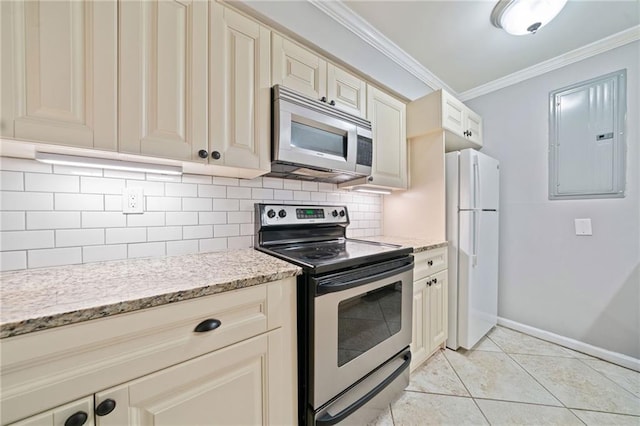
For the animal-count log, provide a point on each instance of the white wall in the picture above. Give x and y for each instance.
(584, 288)
(57, 215)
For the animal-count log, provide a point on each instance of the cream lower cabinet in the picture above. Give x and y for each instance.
(59, 72)
(430, 288)
(151, 367)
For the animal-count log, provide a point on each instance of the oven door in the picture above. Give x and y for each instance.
(362, 318)
(309, 137)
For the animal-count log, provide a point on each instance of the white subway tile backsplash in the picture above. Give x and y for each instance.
(213, 244)
(53, 220)
(80, 210)
(226, 230)
(12, 221)
(164, 204)
(146, 219)
(96, 185)
(54, 257)
(34, 201)
(239, 217)
(11, 181)
(79, 237)
(80, 202)
(51, 183)
(212, 191)
(196, 204)
(146, 250)
(181, 218)
(25, 240)
(103, 219)
(238, 192)
(175, 248)
(125, 235)
(164, 233)
(23, 165)
(262, 194)
(197, 232)
(13, 260)
(181, 189)
(103, 253)
(212, 218)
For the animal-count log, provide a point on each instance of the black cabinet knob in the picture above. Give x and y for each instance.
(203, 153)
(207, 325)
(332, 103)
(430, 263)
(435, 280)
(216, 155)
(470, 133)
(323, 99)
(105, 407)
(77, 419)
(429, 283)
(370, 178)
(282, 213)
(271, 213)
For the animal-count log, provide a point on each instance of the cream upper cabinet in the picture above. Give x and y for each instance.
(302, 70)
(163, 78)
(59, 72)
(346, 91)
(298, 68)
(442, 111)
(239, 101)
(388, 121)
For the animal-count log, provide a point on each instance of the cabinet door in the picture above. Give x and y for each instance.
(474, 126)
(240, 90)
(420, 330)
(298, 68)
(163, 78)
(388, 119)
(437, 310)
(453, 114)
(59, 76)
(58, 416)
(224, 387)
(347, 91)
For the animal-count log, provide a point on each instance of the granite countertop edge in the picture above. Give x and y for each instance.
(48, 318)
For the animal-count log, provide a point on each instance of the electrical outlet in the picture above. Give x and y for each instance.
(132, 200)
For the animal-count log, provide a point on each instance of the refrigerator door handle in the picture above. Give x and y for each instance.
(476, 237)
(476, 183)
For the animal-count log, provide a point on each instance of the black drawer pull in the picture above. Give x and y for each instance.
(105, 407)
(207, 325)
(77, 419)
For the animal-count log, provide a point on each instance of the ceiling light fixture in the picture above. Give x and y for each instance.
(519, 17)
(104, 163)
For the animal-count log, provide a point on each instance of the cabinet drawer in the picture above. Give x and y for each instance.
(429, 262)
(44, 369)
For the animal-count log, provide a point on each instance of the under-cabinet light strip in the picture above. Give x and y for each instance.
(104, 163)
(372, 191)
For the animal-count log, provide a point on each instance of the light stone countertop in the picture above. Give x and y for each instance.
(418, 245)
(38, 299)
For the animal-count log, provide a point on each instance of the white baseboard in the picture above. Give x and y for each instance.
(614, 357)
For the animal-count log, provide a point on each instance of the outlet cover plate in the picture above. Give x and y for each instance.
(132, 200)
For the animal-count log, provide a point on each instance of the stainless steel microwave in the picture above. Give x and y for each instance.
(313, 140)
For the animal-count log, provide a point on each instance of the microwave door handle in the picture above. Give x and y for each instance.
(328, 419)
(333, 287)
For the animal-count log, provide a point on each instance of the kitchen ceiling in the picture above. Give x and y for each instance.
(414, 47)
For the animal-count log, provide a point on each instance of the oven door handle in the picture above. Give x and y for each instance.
(328, 419)
(329, 287)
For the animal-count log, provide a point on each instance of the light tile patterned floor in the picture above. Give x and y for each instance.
(510, 378)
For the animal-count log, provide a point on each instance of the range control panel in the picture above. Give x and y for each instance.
(289, 214)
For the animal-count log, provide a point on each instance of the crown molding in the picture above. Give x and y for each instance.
(346, 17)
(608, 43)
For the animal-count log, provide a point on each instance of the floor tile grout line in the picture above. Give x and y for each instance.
(609, 378)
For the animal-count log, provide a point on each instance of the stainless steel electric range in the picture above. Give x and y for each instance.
(354, 312)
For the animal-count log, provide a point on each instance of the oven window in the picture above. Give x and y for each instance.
(367, 320)
(319, 140)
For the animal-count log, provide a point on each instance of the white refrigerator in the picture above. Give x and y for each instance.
(472, 232)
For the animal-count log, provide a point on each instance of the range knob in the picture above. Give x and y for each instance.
(282, 213)
(271, 213)
(334, 213)
(342, 213)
